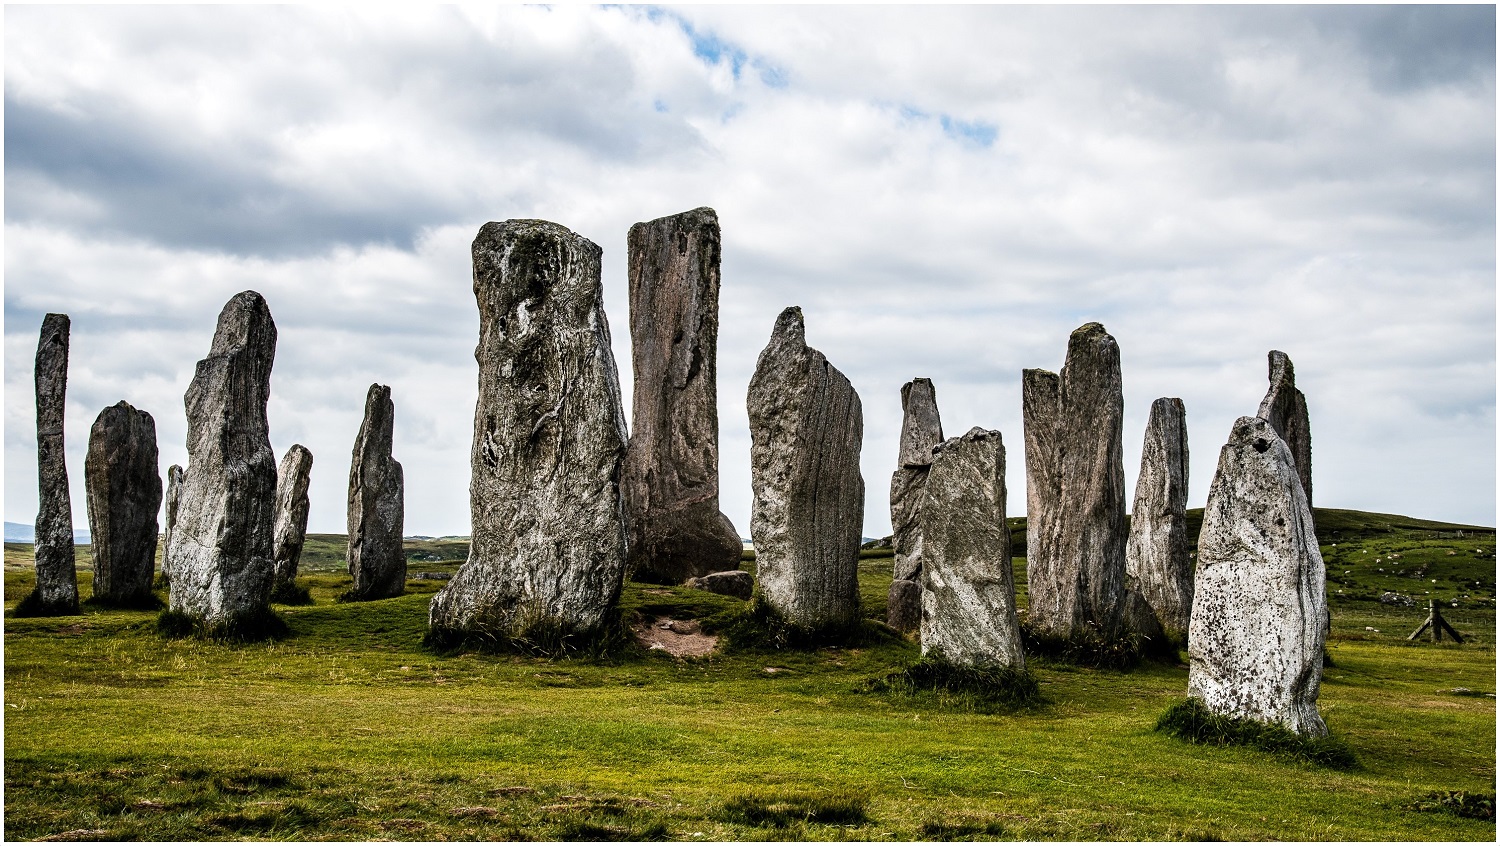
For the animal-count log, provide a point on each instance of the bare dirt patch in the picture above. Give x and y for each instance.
(678, 638)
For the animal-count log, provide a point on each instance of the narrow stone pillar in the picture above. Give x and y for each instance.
(671, 482)
(1285, 408)
(174, 492)
(806, 428)
(123, 489)
(292, 505)
(921, 430)
(376, 515)
(1156, 552)
(56, 591)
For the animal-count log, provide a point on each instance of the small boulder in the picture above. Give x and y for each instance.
(736, 583)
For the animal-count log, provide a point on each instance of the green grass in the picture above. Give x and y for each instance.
(348, 728)
(1189, 720)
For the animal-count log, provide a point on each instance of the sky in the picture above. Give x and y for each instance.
(946, 192)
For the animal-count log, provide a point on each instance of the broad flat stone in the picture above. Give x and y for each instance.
(548, 530)
(221, 543)
(123, 488)
(736, 583)
(1285, 408)
(921, 430)
(56, 591)
(671, 483)
(1075, 478)
(903, 606)
(175, 476)
(377, 504)
(806, 428)
(1156, 551)
(292, 504)
(968, 590)
(1255, 642)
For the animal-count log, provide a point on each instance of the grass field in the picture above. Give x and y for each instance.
(349, 729)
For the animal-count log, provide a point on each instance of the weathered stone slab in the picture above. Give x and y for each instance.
(806, 427)
(1156, 551)
(548, 531)
(174, 493)
(292, 504)
(968, 590)
(671, 482)
(56, 591)
(377, 505)
(1285, 408)
(903, 606)
(123, 489)
(921, 430)
(1075, 478)
(221, 543)
(736, 583)
(1255, 642)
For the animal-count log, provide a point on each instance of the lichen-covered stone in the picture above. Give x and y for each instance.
(123, 489)
(56, 591)
(548, 545)
(806, 427)
(292, 504)
(968, 590)
(671, 482)
(921, 430)
(220, 554)
(174, 492)
(1156, 552)
(736, 583)
(1285, 408)
(377, 505)
(1255, 642)
(1075, 490)
(903, 606)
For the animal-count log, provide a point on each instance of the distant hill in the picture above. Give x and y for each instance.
(23, 533)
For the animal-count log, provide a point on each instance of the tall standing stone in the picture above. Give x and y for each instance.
(1156, 552)
(56, 590)
(221, 549)
(174, 493)
(292, 504)
(376, 514)
(1255, 643)
(671, 483)
(548, 545)
(1075, 477)
(968, 589)
(1285, 408)
(921, 430)
(123, 488)
(806, 428)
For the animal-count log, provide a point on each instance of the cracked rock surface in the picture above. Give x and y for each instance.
(1156, 551)
(376, 515)
(921, 430)
(292, 505)
(56, 577)
(123, 488)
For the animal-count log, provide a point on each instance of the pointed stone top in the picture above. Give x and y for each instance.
(921, 426)
(244, 321)
(1280, 367)
(789, 325)
(1089, 333)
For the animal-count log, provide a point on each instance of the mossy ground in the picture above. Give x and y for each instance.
(348, 728)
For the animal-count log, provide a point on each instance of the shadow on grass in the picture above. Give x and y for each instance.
(262, 626)
(291, 593)
(149, 602)
(985, 690)
(548, 639)
(1089, 648)
(762, 628)
(786, 810)
(1191, 721)
(32, 605)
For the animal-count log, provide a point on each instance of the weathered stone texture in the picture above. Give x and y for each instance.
(377, 504)
(736, 583)
(903, 606)
(221, 545)
(56, 578)
(292, 504)
(1156, 552)
(806, 427)
(1255, 642)
(968, 591)
(1285, 408)
(174, 493)
(921, 430)
(671, 481)
(1075, 477)
(123, 489)
(548, 531)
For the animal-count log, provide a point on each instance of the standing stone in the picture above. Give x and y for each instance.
(806, 427)
(1255, 643)
(174, 492)
(292, 505)
(220, 557)
(968, 590)
(56, 590)
(1156, 552)
(921, 430)
(376, 514)
(548, 547)
(1075, 490)
(1285, 408)
(903, 606)
(671, 483)
(123, 489)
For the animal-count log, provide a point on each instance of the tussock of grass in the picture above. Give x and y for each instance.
(33, 606)
(1087, 648)
(983, 689)
(248, 629)
(940, 830)
(1474, 806)
(762, 627)
(782, 811)
(291, 593)
(543, 639)
(1191, 721)
(149, 602)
